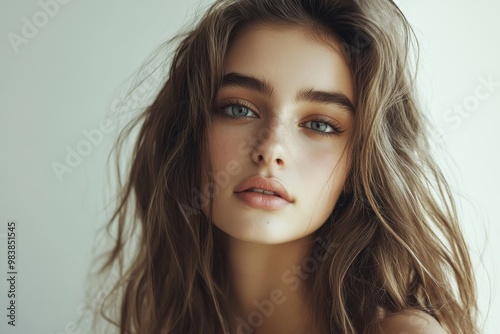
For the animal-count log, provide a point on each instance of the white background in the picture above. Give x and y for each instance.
(64, 80)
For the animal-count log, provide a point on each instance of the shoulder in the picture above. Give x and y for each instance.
(411, 322)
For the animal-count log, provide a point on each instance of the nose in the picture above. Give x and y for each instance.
(270, 145)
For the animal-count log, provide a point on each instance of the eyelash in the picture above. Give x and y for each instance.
(336, 129)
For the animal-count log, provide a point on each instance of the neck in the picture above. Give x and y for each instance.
(268, 286)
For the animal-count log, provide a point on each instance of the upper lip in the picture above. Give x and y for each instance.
(269, 184)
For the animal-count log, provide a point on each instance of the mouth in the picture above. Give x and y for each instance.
(268, 187)
(262, 199)
(262, 191)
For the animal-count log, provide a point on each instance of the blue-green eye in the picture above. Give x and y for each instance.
(236, 110)
(323, 127)
(319, 126)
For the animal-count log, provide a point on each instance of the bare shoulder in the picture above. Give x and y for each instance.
(411, 322)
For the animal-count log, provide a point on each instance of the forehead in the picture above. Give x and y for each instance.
(311, 31)
(290, 57)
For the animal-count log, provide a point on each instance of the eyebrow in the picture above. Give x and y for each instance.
(338, 99)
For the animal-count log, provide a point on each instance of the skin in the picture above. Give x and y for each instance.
(311, 167)
(411, 322)
(265, 248)
(263, 245)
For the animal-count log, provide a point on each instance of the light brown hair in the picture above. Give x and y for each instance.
(396, 231)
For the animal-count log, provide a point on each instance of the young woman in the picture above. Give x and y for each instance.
(281, 182)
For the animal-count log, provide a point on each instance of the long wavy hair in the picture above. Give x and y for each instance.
(396, 231)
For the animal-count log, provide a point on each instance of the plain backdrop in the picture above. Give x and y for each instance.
(61, 81)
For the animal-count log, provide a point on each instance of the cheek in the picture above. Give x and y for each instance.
(224, 147)
(324, 172)
(320, 162)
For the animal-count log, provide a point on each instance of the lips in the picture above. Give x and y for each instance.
(257, 182)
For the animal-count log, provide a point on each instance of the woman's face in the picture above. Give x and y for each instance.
(285, 113)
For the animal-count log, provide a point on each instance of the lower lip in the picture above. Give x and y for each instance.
(262, 201)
